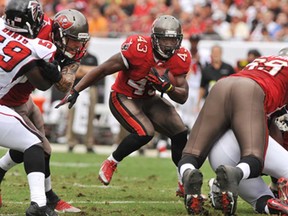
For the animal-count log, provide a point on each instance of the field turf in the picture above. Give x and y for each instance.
(142, 186)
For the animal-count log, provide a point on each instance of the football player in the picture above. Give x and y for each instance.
(69, 32)
(133, 100)
(248, 96)
(254, 191)
(24, 58)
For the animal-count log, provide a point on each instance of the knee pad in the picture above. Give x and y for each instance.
(34, 159)
(47, 164)
(16, 156)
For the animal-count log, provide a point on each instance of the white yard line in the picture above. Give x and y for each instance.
(103, 202)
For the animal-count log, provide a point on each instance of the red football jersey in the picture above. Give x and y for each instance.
(138, 56)
(271, 73)
(45, 31)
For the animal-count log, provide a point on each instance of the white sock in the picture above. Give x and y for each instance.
(245, 169)
(184, 167)
(48, 185)
(37, 190)
(6, 162)
(111, 158)
(267, 210)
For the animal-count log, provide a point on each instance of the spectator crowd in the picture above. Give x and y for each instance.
(246, 20)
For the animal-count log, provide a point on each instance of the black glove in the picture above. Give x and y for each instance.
(70, 98)
(50, 71)
(64, 60)
(161, 83)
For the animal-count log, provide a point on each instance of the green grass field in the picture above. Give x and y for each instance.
(141, 186)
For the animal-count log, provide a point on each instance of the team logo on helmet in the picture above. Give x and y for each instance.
(63, 22)
(35, 8)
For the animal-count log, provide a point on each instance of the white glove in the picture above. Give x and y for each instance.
(282, 122)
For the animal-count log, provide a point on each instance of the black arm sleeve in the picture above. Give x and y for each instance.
(50, 71)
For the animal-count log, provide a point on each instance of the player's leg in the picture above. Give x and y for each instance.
(90, 128)
(34, 118)
(275, 159)
(248, 121)
(210, 124)
(70, 135)
(254, 191)
(129, 113)
(16, 134)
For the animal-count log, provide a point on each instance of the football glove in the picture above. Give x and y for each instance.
(160, 83)
(50, 71)
(282, 122)
(70, 98)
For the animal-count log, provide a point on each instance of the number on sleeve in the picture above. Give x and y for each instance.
(46, 43)
(182, 56)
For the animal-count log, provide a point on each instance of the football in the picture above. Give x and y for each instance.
(161, 72)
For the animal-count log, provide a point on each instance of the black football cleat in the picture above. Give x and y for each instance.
(228, 179)
(193, 200)
(35, 210)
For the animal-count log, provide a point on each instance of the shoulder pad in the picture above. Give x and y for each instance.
(181, 58)
(44, 49)
(135, 48)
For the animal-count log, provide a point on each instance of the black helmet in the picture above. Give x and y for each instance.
(70, 24)
(24, 16)
(166, 26)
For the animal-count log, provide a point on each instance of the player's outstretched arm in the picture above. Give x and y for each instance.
(112, 65)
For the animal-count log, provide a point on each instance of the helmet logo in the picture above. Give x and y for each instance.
(64, 22)
(34, 6)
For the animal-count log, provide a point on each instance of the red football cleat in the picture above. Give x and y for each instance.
(63, 207)
(106, 171)
(180, 190)
(278, 205)
(283, 189)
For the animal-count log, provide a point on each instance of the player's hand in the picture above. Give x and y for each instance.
(70, 98)
(50, 70)
(161, 83)
(282, 122)
(67, 80)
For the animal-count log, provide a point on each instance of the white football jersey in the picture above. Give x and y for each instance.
(16, 51)
(14, 132)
